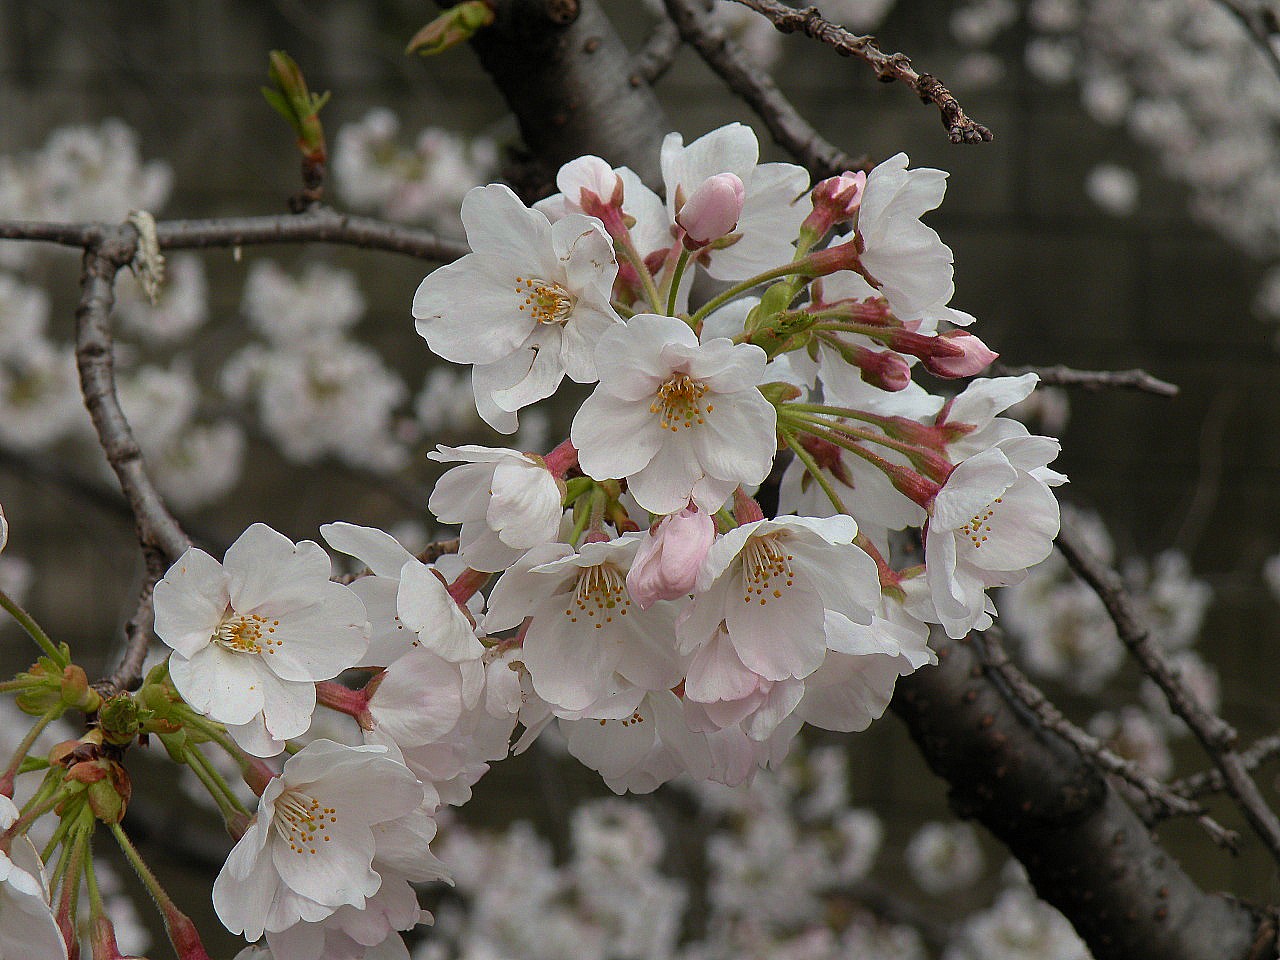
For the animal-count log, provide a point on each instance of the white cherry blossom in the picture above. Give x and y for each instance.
(311, 846)
(770, 582)
(251, 635)
(527, 305)
(587, 641)
(681, 420)
(506, 502)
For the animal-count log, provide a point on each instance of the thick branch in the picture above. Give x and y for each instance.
(567, 77)
(1084, 849)
(1216, 736)
(652, 62)
(888, 66)
(1061, 376)
(1163, 798)
(789, 129)
(318, 225)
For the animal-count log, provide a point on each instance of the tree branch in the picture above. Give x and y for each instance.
(1211, 781)
(790, 130)
(567, 77)
(1165, 800)
(320, 225)
(1216, 736)
(653, 61)
(1084, 849)
(1093, 380)
(888, 66)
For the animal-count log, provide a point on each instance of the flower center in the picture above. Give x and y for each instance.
(601, 592)
(246, 634)
(766, 569)
(302, 822)
(545, 300)
(679, 402)
(978, 528)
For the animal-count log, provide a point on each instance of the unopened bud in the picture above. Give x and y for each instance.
(962, 355)
(835, 200)
(712, 211)
(76, 692)
(455, 25)
(883, 368)
(109, 794)
(667, 563)
(4, 529)
(120, 719)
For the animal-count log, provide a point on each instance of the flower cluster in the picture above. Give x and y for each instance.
(641, 598)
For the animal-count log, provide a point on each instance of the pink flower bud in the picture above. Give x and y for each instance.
(965, 355)
(712, 211)
(835, 200)
(883, 368)
(667, 563)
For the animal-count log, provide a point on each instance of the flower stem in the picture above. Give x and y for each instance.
(182, 933)
(33, 629)
(720, 299)
(815, 471)
(676, 277)
(228, 803)
(7, 778)
(627, 250)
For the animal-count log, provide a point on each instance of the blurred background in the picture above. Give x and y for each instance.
(1125, 215)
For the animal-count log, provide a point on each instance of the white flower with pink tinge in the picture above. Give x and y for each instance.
(771, 582)
(993, 518)
(681, 420)
(526, 306)
(506, 501)
(311, 846)
(252, 635)
(588, 643)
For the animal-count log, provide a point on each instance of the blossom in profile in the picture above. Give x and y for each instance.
(252, 635)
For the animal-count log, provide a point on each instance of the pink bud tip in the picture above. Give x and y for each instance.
(667, 563)
(966, 356)
(713, 209)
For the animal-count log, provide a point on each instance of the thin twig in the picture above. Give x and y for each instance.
(1210, 781)
(158, 531)
(1061, 376)
(789, 129)
(888, 66)
(649, 65)
(320, 225)
(1216, 736)
(1165, 801)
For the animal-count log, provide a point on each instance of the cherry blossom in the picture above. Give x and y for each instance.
(311, 846)
(681, 420)
(527, 305)
(251, 635)
(507, 502)
(27, 925)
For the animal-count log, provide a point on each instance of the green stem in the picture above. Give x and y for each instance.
(162, 899)
(813, 424)
(91, 881)
(674, 292)
(622, 310)
(627, 250)
(32, 735)
(33, 629)
(228, 804)
(814, 470)
(720, 299)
